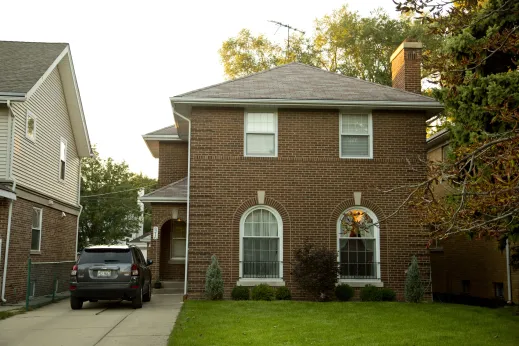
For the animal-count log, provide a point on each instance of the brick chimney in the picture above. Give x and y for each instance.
(405, 66)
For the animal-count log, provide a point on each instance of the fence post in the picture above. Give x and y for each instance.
(54, 287)
(27, 294)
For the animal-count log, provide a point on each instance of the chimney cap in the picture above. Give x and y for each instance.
(408, 43)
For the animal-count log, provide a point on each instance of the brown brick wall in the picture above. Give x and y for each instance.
(308, 184)
(161, 214)
(172, 162)
(58, 243)
(406, 70)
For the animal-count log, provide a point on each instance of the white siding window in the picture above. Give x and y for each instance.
(30, 126)
(356, 136)
(62, 159)
(261, 134)
(37, 214)
(178, 241)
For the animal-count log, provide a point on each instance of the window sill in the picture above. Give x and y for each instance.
(361, 283)
(177, 261)
(35, 252)
(255, 282)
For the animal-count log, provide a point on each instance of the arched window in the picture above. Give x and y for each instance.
(358, 244)
(261, 244)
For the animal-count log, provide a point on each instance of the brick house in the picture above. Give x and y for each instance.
(257, 166)
(464, 267)
(43, 135)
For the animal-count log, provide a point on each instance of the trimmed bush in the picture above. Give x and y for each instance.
(344, 292)
(240, 293)
(283, 293)
(413, 284)
(370, 293)
(316, 270)
(388, 295)
(262, 292)
(213, 280)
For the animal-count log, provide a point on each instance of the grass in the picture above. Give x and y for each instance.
(9, 313)
(351, 323)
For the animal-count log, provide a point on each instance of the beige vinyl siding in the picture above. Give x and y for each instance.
(4, 140)
(36, 164)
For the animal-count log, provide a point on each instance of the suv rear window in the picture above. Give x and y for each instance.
(105, 256)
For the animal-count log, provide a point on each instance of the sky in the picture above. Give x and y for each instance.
(131, 56)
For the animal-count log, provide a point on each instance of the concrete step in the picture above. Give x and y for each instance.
(173, 284)
(168, 291)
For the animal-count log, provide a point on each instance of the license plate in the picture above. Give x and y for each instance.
(104, 273)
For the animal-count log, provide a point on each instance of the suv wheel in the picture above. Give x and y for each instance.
(147, 296)
(137, 301)
(76, 303)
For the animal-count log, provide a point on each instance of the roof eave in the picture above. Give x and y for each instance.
(162, 200)
(152, 142)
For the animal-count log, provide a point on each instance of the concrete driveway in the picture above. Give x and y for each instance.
(103, 323)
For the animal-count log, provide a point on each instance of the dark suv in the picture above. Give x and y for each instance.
(106, 272)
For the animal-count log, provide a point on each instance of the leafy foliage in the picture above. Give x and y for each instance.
(283, 293)
(388, 295)
(214, 280)
(240, 293)
(263, 292)
(109, 193)
(413, 290)
(370, 293)
(316, 270)
(344, 292)
(342, 42)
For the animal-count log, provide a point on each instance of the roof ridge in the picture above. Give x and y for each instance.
(237, 79)
(165, 186)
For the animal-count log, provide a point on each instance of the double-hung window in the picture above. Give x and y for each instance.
(37, 214)
(62, 158)
(178, 241)
(356, 136)
(261, 134)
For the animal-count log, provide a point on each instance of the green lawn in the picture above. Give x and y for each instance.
(352, 323)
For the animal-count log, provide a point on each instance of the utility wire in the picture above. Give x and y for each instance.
(114, 192)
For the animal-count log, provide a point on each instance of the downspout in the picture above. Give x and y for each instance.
(188, 195)
(80, 209)
(10, 212)
(508, 274)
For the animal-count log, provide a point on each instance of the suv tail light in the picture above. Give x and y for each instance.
(135, 270)
(74, 270)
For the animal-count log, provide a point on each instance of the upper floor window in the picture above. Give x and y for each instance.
(356, 136)
(358, 245)
(261, 254)
(261, 130)
(62, 158)
(36, 229)
(30, 126)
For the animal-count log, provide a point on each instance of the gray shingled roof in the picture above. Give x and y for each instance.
(166, 131)
(176, 191)
(296, 81)
(22, 64)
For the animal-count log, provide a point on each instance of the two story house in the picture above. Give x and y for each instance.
(43, 135)
(256, 167)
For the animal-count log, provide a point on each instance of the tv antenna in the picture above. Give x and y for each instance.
(288, 32)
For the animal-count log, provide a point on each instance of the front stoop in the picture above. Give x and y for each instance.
(170, 287)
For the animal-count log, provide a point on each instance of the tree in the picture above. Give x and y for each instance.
(413, 290)
(109, 193)
(343, 42)
(214, 280)
(477, 65)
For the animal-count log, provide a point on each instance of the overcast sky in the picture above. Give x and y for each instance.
(130, 56)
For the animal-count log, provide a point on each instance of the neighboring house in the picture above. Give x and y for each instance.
(257, 166)
(142, 241)
(468, 268)
(43, 135)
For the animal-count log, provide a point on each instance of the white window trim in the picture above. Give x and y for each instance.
(33, 116)
(41, 231)
(370, 134)
(62, 140)
(275, 132)
(254, 281)
(361, 282)
(173, 260)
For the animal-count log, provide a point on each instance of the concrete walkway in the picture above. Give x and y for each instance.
(103, 323)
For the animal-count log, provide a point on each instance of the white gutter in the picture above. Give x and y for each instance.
(162, 200)
(188, 189)
(508, 274)
(320, 103)
(161, 138)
